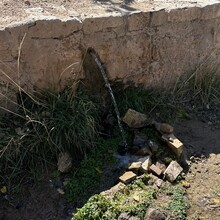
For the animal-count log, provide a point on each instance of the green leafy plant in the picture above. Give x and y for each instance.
(177, 205)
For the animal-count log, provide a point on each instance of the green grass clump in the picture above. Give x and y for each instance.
(201, 87)
(102, 207)
(32, 138)
(98, 208)
(143, 100)
(177, 204)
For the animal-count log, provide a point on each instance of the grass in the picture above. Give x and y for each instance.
(88, 176)
(177, 204)
(58, 122)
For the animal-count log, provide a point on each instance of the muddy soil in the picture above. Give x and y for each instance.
(202, 145)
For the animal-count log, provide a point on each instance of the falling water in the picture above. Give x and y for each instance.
(95, 57)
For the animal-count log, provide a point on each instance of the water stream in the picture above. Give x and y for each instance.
(104, 75)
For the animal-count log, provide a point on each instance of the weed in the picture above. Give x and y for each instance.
(177, 205)
(201, 88)
(88, 177)
(99, 206)
(58, 122)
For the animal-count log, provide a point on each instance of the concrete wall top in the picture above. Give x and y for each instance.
(19, 12)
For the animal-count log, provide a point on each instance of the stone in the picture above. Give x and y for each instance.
(156, 170)
(185, 184)
(173, 171)
(146, 164)
(128, 177)
(135, 119)
(134, 218)
(135, 166)
(124, 216)
(64, 162)
(115, 189)
(140, 139)
(164, 128)
(153, 146)
(161, 165)
(173, 143)
(154, 214)
(159, 182)
(143, 151)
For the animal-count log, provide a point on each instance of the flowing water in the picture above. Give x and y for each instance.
(104, 75)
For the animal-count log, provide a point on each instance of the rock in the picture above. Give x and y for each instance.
(146, 165)
(185, 184)
(122, 148)
(135, 119)
(140, 139)
(57, 183)
(158, 183)
(154, 214)
(115, 189)
(173, 143)
(156, 170)
(136, 158)
(64, 162)
(144, 151)
(124, 216)
(134, 218)
(173, 171)
(164, 128)
(128, 177)
(161, 165)
(60, 191)
(153, 146)
(135, 166)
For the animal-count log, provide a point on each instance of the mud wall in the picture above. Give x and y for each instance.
(150, 48)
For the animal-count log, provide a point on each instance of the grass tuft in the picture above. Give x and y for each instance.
(59, 122)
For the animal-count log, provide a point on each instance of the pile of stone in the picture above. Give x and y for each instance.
(143, 150)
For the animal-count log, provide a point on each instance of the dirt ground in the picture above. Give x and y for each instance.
(21, 11)
(203, 151)
(202, 145)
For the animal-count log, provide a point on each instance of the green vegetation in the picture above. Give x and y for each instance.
(90, 173)
(31, 139)
(177, 204)
(102, 207)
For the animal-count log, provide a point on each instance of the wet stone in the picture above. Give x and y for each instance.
(153, 146)
(135, 166)
(64, 162)
(144, 151)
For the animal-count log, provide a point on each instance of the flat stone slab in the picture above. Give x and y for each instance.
(128, 177)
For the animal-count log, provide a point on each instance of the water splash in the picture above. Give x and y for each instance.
(104, 75)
